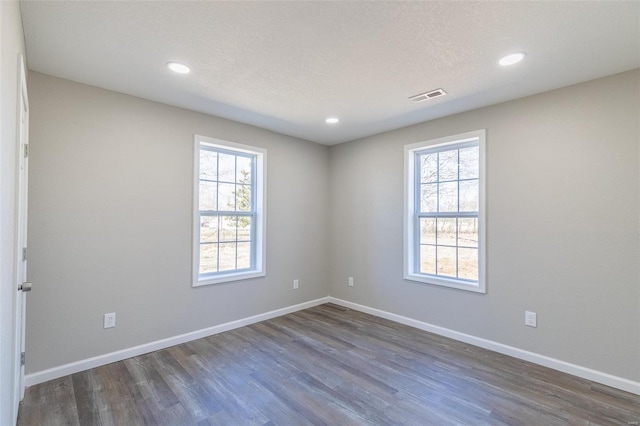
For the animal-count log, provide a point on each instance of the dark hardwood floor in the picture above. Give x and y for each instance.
(325, 366)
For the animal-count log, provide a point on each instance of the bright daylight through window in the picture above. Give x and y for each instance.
(444, 212)
(229, 214)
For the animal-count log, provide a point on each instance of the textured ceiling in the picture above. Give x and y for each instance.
(286, 66)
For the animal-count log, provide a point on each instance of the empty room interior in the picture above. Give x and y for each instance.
(328, 213)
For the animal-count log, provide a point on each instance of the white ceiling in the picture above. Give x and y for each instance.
(286, 66)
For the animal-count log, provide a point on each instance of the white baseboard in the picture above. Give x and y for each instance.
(556, 364)
(97, 361)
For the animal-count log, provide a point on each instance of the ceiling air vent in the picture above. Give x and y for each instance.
(428, 95)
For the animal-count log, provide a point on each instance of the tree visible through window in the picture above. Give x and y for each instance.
(444, 214)
(448, 215)
(228, 212)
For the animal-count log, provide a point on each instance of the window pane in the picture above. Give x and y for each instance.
(468, 263)
(208, 258)
(469, 194)
(468, 232)
(428, 197)
(227, 256)
(447, 231)
(244, 170)
(429, 168)
(446, 261)
(226, 197)
(243, 198)
(448, 165)
(244, 255)
(428, 259)
(207, 196)
(227, 228)
(444, 217)
(208, 229)
(448, 197)
(208, 164)
(244, 228)
(230, 218)
(227, 171)
(469, 163)
(427, 230)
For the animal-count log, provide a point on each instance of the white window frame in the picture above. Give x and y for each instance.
(412, 228)
(258, 264)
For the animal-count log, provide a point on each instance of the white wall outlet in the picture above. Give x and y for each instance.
(350, 281)
(110, 320)
(295, 284)
(530, 319)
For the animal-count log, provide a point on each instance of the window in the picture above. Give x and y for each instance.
(229, 211)
(444, 212)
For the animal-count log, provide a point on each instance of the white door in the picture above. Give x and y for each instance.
(21, 241)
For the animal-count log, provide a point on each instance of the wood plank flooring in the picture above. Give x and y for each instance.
(326, 365)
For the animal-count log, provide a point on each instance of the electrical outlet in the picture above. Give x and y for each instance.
(530, 319)
(110, 320)
(295, 284)
(350, 281)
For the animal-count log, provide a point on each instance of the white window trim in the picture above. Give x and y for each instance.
(409, 206)
(260, 220)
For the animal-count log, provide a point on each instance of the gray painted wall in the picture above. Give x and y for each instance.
(563, 231)
(110, 223)
(12, 45)
(111, 211)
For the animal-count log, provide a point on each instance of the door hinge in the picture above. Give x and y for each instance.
(21, 358)
(24, 254)
(26, 150)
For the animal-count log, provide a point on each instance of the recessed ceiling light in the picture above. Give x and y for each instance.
(332, 120)
(513, 58)
(179, 68)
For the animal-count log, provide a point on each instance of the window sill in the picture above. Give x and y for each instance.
(225, 278)
(446, 282)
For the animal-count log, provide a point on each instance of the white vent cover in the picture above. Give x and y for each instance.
(428, 95)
